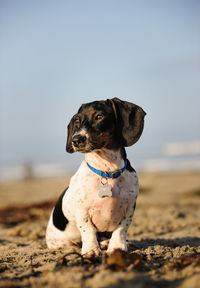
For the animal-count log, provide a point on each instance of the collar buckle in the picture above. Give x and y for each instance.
(116, 174)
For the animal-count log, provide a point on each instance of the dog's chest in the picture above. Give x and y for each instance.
(104, 212)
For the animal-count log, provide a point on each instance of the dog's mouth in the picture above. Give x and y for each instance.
(82, 147)
(79, 149)
(88, 147)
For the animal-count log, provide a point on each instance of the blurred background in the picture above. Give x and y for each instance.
(56, 55)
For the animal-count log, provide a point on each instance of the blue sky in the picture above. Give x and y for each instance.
(55, 55)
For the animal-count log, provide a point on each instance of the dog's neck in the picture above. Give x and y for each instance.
(105, 159)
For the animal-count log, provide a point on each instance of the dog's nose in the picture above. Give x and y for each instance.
(79, 140)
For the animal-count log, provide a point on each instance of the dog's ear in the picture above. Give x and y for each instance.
(129, 119)
(70, 127)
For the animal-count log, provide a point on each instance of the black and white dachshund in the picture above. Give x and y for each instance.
(102, 194)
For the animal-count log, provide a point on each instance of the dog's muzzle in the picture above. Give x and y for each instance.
(79, 141)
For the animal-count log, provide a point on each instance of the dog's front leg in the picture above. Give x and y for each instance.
(118, 239)
(90, 246)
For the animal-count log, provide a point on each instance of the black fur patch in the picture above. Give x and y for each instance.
(124, 156)
(59, 219)
(129, 167)
(105, 234)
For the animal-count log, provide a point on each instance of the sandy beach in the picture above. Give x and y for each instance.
(163, 240)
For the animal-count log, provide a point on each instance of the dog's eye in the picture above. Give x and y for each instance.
(99, 116)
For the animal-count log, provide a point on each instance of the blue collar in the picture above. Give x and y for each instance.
(114, 174)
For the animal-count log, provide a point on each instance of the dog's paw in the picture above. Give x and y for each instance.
(118, 246)
(104, 244)
(89, 252)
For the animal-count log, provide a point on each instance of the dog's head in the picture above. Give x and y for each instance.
(107, 124)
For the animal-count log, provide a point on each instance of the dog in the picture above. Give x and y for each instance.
(101, 196)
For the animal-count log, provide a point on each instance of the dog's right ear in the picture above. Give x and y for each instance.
(70, 129)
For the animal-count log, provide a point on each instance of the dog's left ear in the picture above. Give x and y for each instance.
(130, 120)
(70, 127)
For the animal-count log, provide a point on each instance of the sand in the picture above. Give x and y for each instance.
(163, 240)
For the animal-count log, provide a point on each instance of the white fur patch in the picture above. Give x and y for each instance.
(87, 213)
(82, 132)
